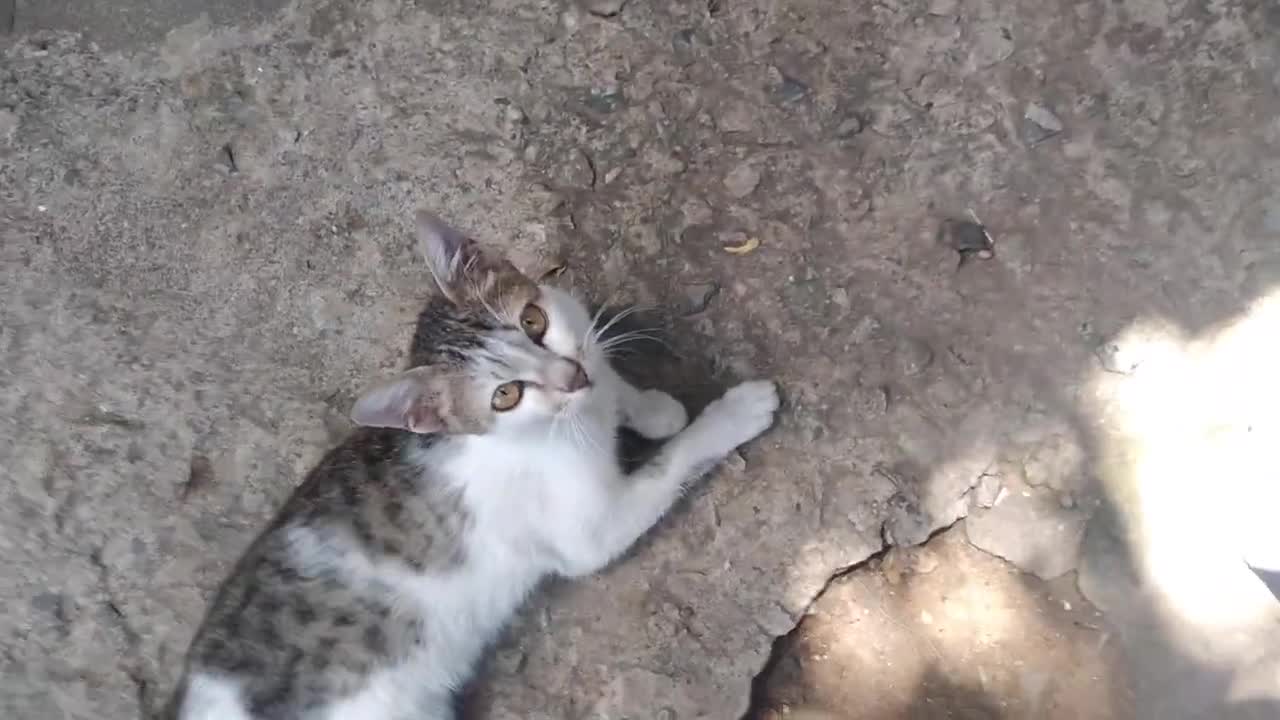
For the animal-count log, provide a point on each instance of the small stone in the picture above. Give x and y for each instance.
(1032, 531)
(1039, 123)
(870, 402)
(698, 296)
(605, 8)
(790, 89)
(926, 617)
(1114, 358)
(736, 461)
(666, 714)
(577, 171)
(775, 620)
(850, 126)
(840, 297)
(914, 356)
(984, 494)
(510, 661)
(569, 19)
(1066, 500)
(906, 523)
(605, 101)
(684, 44)
(1057, 462)
(1066, 605)
(227, 156)
(742, 180)
(966, 238)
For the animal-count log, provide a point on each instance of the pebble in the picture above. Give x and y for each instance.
(914, 356)
(605, 101)
(683, 44)
(850, 126)
(1039, 124)
(870, 402)
(605, 8)
(577, 171)
(790, 89)
(742, 180)
(1116, 359)
(1058, 462)
(966, 238)
(736, 462)
(698, 296)
(985, 493)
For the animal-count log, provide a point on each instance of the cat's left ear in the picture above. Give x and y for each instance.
(408, 401)
(448, 252)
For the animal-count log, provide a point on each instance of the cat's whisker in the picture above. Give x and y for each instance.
(632, 339)
(614, 320)
(596, 318)
(630, 336)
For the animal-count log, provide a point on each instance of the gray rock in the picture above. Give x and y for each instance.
(1030, 529)
(985, 493)
(605, 8)
(742, 180)
(605, 101)
(791, 90)
(907, 524)
(1057, 462)
(577, 171)
(914, 356)
(697, 296)
(1039, 123)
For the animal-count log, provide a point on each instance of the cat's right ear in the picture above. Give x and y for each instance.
(446, 250)
(405, 402)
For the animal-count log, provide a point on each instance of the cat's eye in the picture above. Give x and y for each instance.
(507, 396)
(534, 322)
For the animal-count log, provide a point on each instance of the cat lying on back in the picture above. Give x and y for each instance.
(488, 465)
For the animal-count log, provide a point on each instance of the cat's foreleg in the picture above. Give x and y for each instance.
(739, 415)
(652, 413)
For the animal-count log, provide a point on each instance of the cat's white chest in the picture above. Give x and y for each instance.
(532, 503)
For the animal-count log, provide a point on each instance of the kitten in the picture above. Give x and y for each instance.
(487, 466)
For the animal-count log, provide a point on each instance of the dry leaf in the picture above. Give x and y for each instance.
(749, 246)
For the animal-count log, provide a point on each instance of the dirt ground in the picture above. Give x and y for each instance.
(943, 630)
(204, 238)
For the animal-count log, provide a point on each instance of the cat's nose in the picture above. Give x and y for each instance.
(577, 378)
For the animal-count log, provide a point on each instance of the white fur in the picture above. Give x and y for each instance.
(546, 495)
(212, 697)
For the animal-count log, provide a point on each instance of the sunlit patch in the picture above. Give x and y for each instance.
(1191, 429)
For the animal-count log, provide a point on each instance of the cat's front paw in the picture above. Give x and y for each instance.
(657, 415)
(739, 415)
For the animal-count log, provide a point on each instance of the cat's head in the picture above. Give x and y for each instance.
(498, 352)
